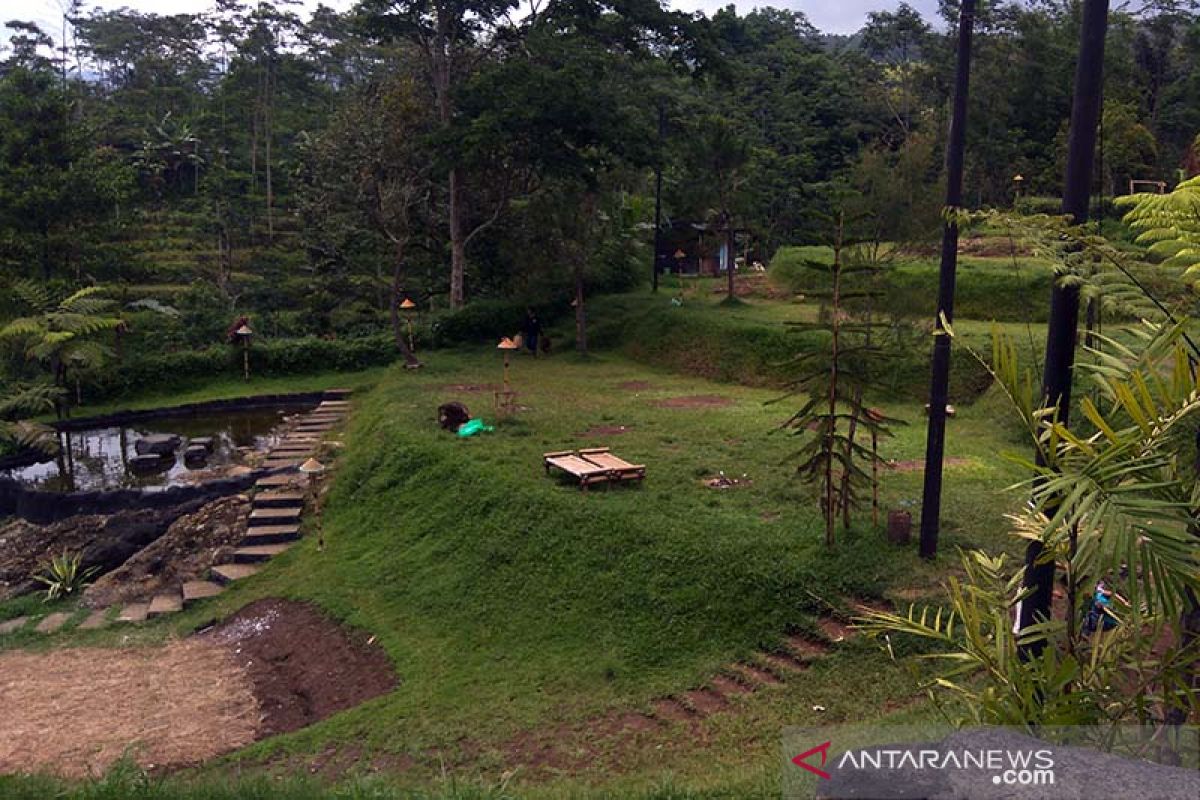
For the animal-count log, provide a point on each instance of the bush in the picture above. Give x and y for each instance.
(485, 321)
(267, 358)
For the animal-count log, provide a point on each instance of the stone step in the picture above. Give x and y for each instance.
(52, 622)
(12, 625)
(134, 612)
(270, 534)
(276, 499)
(291, 451)
(276, 514)
(97, 619)
(336, 394)
(323, 416)
(281, 463)
(255, 554)
(194, 591)
(276, 481)
(226, 574)
(166, 603)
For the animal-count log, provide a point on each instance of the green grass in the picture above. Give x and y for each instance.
(510, 602)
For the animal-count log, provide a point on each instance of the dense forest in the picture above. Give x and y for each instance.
(309, 173)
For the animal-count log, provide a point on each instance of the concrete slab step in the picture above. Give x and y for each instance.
(337, 394)
(270, 534)
(96, 620)
(282, 463)
(195, 591)
(12, 625)
(256, 554)
(276, 514)
(166, 603)
(278, 498)
(291, 451)
(52, 622)
(226, 574)
(276, 481)
(134, 612)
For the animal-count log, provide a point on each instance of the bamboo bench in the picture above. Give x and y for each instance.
(595, 465)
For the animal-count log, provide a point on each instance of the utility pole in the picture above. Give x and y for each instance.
(1064, 299)
(935, 442)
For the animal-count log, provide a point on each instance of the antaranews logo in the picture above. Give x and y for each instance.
(802, 759)
(1010, 767)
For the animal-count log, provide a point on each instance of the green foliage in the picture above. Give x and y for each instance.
(63, 576)
(1117, 506)
(1169, 224)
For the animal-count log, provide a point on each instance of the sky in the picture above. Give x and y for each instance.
(838, 16)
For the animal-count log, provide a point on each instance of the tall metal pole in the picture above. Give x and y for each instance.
(1064, 299)
(658, 200)
(935, 442)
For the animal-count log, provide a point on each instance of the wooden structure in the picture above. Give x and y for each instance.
(595, 465)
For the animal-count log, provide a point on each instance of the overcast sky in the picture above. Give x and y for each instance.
(840, 16)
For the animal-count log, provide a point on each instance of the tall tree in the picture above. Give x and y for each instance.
(1064, 296)
(935, 443)
(449, 36)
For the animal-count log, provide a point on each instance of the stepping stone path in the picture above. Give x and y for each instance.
(273, 527)
(763, 671)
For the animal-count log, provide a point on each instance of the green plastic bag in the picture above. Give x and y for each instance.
(472, 427)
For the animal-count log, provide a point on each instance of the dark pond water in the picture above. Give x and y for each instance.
(99, 458)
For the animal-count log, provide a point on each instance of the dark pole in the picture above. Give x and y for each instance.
(1064, 299)
(658, 200)
(935, 442)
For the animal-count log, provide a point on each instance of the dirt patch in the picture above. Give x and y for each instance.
(604, 430)
(695, 401)
(76, 711)
(992, 247)
(918, 465)
(635, 386)
(187, 551)
(303, 666)
(470, 387)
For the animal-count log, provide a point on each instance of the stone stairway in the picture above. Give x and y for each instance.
(274, 526)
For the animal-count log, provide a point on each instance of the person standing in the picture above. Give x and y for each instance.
(531, 331)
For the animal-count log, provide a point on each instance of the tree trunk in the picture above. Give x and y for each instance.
(729, 254)
(1064, 299)
(458, 244)
(580, 313)
(939, 386)
(410, 359)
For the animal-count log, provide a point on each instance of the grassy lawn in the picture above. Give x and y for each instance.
(511, 602)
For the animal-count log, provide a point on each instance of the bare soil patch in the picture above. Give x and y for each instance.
(303, 666)
(76, 711)
(275, 666)
(918, 465)
(604, 430)
(635, 386)
(695, 401)
(470, 387)
(187, 551)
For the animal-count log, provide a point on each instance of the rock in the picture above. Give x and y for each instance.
(160, 443)
(105, 542)
(149, 462)
(185, 552)
(195, 455)
(201, 441)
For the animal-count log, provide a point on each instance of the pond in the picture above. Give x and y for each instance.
(107, 457)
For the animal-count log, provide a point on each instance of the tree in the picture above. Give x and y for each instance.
(447, 35)
(935, 443)
(1064, 297)
(897, 39)
(372, 158)
(59, 333)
